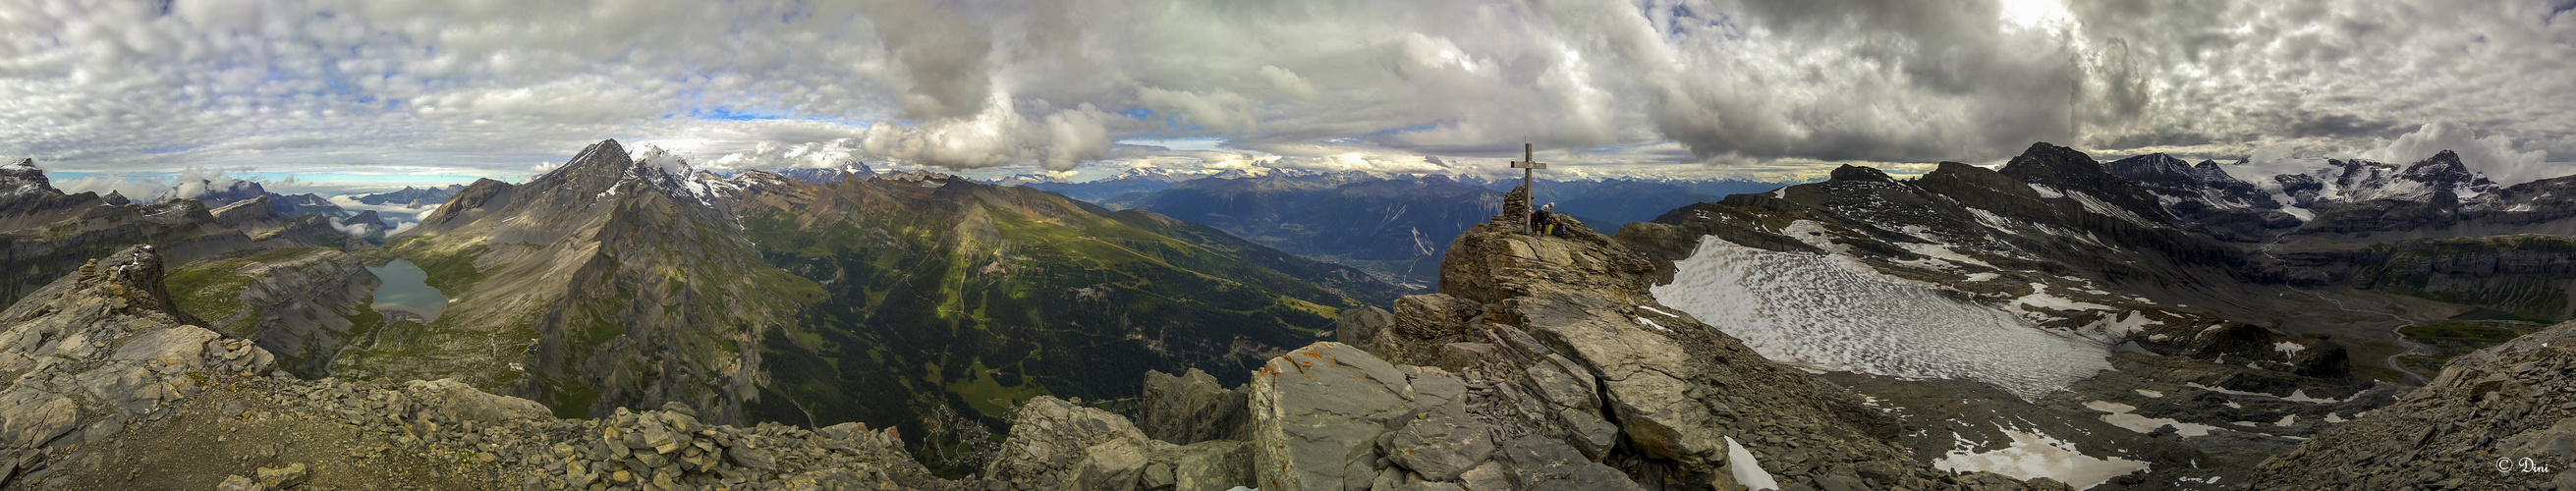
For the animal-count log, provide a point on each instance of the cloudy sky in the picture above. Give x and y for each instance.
(375, 91)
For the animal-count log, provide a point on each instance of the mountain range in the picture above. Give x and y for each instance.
(623, 319)
(620, 280)
(1393, 225)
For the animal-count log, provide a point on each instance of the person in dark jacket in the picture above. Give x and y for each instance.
(1544, 220)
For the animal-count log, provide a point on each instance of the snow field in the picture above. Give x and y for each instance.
(1812, 310)
(2033, 455)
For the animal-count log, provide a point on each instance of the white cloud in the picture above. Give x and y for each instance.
(1706, 87)
(2493, 155)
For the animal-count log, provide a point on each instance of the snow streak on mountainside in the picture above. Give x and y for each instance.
(1817, 310)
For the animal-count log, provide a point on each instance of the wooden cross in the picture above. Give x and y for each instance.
(1527, 164)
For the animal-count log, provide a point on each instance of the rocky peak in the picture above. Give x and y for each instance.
(2444, 172)
(367, 218)
(2065, 170)
(22, 177)
(117, 198)
(245, 211)
(607, 170)
(2153, 167)
(2205, 196)
(1850, 172)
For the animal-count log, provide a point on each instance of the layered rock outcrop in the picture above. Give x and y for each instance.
(101, 349)
(2500, 418)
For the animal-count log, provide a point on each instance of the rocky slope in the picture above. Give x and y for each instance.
(948, 298)
(111, 378)
(2500, 418)
(101, 349)
(1537, 367)
(303, 304)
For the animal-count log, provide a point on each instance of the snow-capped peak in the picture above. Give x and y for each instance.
(22, 177)
(2329, 181)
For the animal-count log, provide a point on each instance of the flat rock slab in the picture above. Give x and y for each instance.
(1317, 413)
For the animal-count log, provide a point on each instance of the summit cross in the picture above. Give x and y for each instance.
(1527, 164)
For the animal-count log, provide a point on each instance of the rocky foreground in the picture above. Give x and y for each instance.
(1544, 364)
(2499, 418)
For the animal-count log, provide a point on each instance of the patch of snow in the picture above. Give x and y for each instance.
(19, 165)
(2035, 455)
(1648, 323)
(1814, 234)
(2039, 297)
(2234, 405)
(2301, 395)
(1981, 277)
(2198, 480)
(1990, 219)
(2287, 420)
(2149, 393)
(1918, 231)
(2519, 207)
(1808, 309)
(1658, 311)
(2114, 327)
(2331, 418)
(2120, 416)
(2288, 349)
(2046, 192)
(2296, 395)
(1936, 251)
(1782, 193)
(2303, 214)
(1748, 472)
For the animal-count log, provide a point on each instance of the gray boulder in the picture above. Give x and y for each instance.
(1058, 445)
(1190, 408)
(1317, 413)
(1215, 465)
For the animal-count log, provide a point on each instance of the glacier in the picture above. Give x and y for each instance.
(1830, 312)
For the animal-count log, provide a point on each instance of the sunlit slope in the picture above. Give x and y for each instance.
(945, 292)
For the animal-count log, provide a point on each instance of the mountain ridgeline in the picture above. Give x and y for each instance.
(1393, 225)
(618, 281)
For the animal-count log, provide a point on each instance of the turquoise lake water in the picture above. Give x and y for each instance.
(406, 289)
